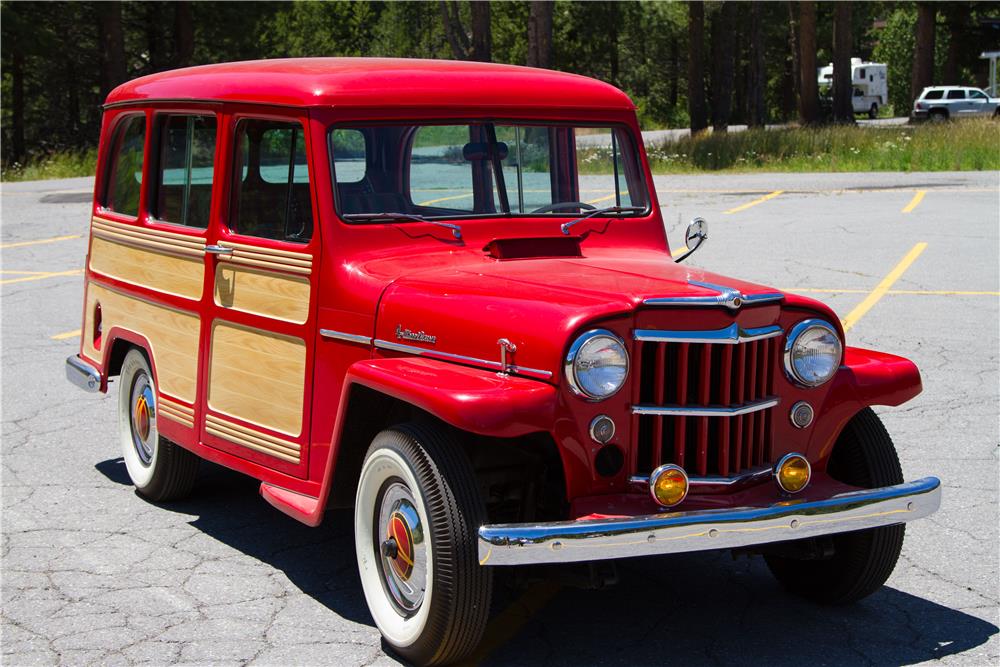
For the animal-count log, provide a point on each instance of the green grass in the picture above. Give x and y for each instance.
(968, 145)
(58, 165)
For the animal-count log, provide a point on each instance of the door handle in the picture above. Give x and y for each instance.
(218, 250)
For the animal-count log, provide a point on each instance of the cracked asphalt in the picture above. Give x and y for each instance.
(92, 574)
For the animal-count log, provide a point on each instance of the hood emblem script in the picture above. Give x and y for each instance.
(419, 336)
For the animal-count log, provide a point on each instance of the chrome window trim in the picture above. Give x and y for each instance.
(731, 335)
(793, 335)
(574, 349)
(349, 337)
(462, 359)
(700, 411)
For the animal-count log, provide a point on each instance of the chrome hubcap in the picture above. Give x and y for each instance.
(143, 418)
(400, 547)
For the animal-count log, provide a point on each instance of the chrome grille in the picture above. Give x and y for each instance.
(704, 399)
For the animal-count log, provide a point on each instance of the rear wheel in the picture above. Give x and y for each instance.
(416, 521)
(862, 561)
(938, 116)
(159, 469)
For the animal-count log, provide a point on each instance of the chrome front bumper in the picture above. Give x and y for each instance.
(82, 374)
(677, 532)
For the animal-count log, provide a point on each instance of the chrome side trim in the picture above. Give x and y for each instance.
(82, 374)
(748, 478)
(349, 337)
(701, 411)
(727, 296)
(679, 532)
(731, 335)
(462, 359)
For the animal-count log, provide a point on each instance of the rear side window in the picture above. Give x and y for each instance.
(933, 95)
(186, 162)
(271, 196)
(956, 94)
(125, 176)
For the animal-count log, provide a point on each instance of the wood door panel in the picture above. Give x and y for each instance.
(257, 376)
(266, 293)
(148, 266)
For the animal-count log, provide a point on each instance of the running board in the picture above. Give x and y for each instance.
(296, 505)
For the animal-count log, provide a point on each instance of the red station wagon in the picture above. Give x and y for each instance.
(442, 293)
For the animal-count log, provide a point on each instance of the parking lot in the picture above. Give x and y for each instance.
(93, 574)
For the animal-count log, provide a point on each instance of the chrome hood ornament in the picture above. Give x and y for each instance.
(727, 296)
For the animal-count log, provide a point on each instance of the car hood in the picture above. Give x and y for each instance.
(538, 304)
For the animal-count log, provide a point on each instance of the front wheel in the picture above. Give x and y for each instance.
(416, 520)
(862, 561)
(159, 469)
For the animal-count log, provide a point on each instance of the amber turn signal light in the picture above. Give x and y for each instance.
(668, 485)
(792, 473)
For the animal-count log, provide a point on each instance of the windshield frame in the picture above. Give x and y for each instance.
(642, 181)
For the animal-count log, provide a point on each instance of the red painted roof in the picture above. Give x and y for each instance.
(375, 81)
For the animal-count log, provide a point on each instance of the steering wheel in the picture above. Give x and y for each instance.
(548, 208)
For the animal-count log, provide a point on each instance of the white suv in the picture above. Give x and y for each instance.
(943, 102)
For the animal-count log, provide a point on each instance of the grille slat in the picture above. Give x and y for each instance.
(687, 374)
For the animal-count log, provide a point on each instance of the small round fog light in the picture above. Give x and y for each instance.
(602, 429)
(792, 473)
(801, 414)
(668, 485)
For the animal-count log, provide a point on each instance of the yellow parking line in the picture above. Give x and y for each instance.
(41, 276)
(509, 622)
(883, 287)
(760, 200)
(67, 334)
(441, 199)
(54, 239)
(917, 198)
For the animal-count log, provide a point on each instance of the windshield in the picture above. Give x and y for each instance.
(485, 169)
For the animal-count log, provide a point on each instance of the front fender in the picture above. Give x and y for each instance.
(881, 379)
(470, 399)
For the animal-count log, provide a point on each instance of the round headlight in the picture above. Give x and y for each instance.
(597, 364)
(812, 352)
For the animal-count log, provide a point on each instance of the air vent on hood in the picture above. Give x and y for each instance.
(531, 248)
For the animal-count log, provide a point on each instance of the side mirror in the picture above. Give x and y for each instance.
(694, 237)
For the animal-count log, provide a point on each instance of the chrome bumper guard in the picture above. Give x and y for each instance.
(82, 374)
(677, 532)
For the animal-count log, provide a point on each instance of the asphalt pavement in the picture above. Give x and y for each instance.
(93, 574)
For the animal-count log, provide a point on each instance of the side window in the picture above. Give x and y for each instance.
(125, 175)
(933, 95)
(349, 152)
(977, 95)
(956, 94)
(271, 196)
(185, 165)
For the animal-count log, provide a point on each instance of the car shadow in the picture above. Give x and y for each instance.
(684, 609)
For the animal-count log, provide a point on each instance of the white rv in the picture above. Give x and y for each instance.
(871, 85)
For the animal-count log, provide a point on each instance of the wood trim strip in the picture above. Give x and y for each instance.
(270, 251)
(176, 407)
(266, 265)
(264, 257)
(249, 445)
(254, 434)
(184, 421)
(139, 234)
(146, 244)
(152, 232)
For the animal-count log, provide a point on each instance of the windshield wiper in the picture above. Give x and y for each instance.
(412, 217)
(598, 211)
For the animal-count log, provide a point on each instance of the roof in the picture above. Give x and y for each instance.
(399, 82)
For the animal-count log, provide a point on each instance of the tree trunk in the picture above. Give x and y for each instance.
(111, 46)
(696, 68)
(923, 57)
(540, 34)
(808, 102)
(791, 79)
(154, 36)
(757, 109)
(723, 66)
(183, 34)
(482, 36)
(459, 41)
(843, 89)
(958, 19)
